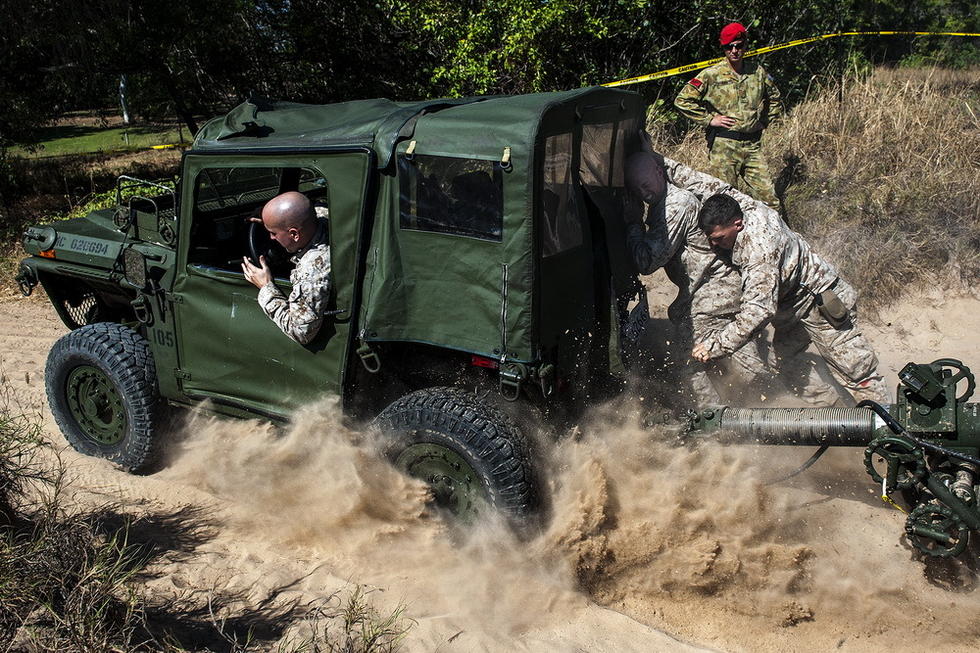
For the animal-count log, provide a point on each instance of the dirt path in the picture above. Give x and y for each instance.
(646, 539)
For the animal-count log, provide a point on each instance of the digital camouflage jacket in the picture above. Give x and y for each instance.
(751, 98)
(301, 314)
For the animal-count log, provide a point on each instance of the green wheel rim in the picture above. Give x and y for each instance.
(935, 531)
(96, 405)
(456, 487)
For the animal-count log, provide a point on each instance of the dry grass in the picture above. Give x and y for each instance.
(880, 172)
(63, 585)
(71, 581)
(350, 625)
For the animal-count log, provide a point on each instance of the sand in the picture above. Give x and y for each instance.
(650, 547)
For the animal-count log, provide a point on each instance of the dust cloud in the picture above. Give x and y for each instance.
(663, 533)
(696, 542)
(323, 487)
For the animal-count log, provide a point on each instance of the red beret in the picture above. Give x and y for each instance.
(730, 32)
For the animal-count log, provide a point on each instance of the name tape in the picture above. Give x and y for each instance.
(772, 48)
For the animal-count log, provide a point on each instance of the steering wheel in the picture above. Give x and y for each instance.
(259, 244)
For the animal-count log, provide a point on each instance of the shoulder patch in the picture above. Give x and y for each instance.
(696, 83)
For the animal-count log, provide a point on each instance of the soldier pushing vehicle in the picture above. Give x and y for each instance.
(666, 234)
(783, 281)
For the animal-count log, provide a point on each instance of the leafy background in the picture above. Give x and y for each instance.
(189, 59)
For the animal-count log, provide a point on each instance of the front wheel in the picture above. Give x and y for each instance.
(102, 390)
(470, 454)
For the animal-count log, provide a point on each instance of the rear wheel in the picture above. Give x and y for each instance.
(470, 454)
(102, 390)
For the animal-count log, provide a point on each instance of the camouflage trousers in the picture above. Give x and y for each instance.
(703, 379)
(848, 355)
(741, 164)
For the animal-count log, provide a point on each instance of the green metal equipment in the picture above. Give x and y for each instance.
(926, 446)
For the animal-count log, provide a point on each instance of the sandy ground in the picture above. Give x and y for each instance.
(650, 548)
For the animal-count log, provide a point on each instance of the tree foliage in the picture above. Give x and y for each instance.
(524, 46)
(189, 59)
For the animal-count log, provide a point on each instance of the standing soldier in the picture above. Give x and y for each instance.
(735, 100)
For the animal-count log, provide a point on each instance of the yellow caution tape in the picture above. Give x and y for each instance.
(164, 147)
(887, 499)
(772, 48)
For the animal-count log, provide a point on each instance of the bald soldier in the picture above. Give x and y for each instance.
(735, 100)
(292, 221)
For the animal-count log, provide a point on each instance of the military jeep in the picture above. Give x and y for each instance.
(478, 275)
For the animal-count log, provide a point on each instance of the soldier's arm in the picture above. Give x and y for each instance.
(690, 101)
(651, 247)
(646, 247)
(760, 293)
(774, 101)
(666, 232)
(695, 181)
(300, 315)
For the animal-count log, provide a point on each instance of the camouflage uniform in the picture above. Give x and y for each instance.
(674, 241)
(301, 314)
(753, 100)
(781, 277)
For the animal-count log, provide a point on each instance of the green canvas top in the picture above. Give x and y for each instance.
(377, 123)
(479, 292)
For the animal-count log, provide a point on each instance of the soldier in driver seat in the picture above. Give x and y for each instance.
(293, 222)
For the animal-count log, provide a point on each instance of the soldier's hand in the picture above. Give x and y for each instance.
(700, 353)
(725, 122)
(257, 276)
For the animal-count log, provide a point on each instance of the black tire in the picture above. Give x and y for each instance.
(102, 389)
(435, 433)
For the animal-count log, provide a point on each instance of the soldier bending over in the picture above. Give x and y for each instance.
(785, 282)
(708, 286)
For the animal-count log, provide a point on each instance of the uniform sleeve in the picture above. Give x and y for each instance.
(665, 234)
(774, 101)
(651, 249)
(301, 314)
(690, 101)
(695, 181)
(760, 293)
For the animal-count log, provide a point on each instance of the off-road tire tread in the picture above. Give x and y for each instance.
(486, 435)
(125, 356)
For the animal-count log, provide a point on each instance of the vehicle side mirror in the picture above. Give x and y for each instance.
(134, 268)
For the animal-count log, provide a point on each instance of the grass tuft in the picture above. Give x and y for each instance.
(71, 581)
(63, 586)
(350, 625)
